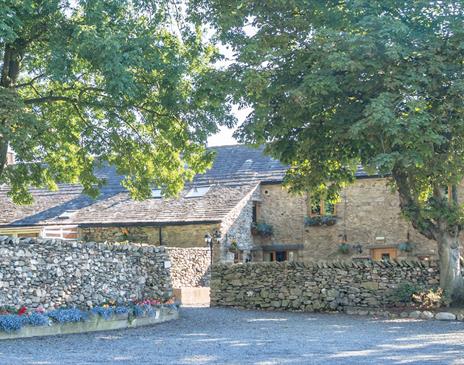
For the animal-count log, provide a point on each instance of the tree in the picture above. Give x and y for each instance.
(89, 82)
(334, 84)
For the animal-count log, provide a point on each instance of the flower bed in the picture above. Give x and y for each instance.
(13, 320)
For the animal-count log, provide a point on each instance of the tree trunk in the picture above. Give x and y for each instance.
(451, 279)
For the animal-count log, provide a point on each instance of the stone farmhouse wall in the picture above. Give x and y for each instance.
(189, 235)
(49, 273)
(368, 209)
(324, 286)
(189, 266)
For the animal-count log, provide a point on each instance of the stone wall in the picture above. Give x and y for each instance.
(49, 273)
(189, 267)
(316, 286)
(236, 227)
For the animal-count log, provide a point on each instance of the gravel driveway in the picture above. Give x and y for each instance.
(228, 336)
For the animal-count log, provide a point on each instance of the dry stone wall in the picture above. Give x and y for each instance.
(189, 266)
(316, 286)
(49, 273)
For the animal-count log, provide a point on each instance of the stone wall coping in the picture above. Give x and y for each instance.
(338, 264)
(111, 246)
(95, 324)
(167, 248)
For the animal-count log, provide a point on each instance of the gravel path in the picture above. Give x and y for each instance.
(228, 336)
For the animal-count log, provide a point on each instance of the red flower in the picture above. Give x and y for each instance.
(22, 310)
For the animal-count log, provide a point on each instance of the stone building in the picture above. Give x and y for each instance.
(241, 203)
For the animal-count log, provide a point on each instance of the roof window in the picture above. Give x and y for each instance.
(156, 193)
(67, 214)
(197, 192)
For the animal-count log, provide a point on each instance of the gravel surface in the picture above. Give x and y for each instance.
(228, 336)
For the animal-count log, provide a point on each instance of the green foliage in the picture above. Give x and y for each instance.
(404, 292)
(335, 84)
(262, 229)
(344, 248)
(126, 82)
(405, 246)
(318, 220)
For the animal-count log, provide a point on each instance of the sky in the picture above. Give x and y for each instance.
(224, 137)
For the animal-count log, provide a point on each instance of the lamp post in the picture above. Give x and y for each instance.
(209, 242)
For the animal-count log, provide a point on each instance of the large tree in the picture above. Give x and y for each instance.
(336, 83)
(123, 82)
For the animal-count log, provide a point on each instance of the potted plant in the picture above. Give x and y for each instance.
(233, 246)
(344, 248)
(405, 246)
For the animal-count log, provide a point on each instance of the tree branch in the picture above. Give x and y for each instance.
(29, 83)
(409, 206)
(48, 99)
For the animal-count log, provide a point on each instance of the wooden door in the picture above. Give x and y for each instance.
(384, 253)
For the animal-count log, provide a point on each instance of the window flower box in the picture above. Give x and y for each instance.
(262, 229)
(320, 220)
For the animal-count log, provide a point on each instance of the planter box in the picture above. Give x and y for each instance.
(93, 324)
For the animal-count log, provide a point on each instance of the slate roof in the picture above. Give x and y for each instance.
(236, 172)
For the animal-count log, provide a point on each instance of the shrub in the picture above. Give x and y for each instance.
(404, 292)
(433, 298)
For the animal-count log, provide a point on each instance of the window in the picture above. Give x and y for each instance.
(280, 256)
(31, 235)
(21, 233)
(197, 192)
(321, 207)
(156, 193)
(67, 214)
(255, 212)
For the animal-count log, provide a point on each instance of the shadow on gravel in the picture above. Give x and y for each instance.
(230, 336)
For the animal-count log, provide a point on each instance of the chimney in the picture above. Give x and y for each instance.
(10, 158)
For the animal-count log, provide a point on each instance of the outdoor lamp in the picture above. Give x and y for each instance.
(208, 239)
(209, 242)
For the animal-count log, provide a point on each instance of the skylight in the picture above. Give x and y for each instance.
(67, 214)
(197, 192)
(156, 193)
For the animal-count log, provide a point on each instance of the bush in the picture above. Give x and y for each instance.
(404, 292)
(433, 298)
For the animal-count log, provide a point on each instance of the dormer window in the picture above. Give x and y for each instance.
(197, 192)
(156, 193)
(67, 214)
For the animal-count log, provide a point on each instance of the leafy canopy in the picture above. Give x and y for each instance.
(88, 82)
(334, 84)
